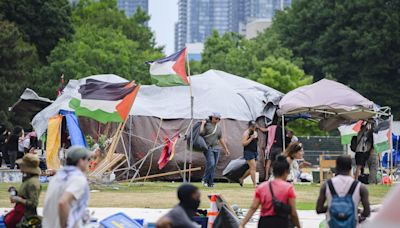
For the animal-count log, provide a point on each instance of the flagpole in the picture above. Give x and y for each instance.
(191, 124)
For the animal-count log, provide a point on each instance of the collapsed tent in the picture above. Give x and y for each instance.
(163, 112)
(29, 104)
(331, 102)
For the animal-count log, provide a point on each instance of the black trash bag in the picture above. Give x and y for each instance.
(199, 144)
(235, 169)
(226, 219)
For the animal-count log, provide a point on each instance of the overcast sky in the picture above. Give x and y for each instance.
(164, 14)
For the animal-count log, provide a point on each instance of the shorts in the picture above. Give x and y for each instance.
(275, 151)
(250, 155)
(361, 158)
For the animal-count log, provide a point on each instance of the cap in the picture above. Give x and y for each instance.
(74, 153)
(216, 114)
(29, 164)
(252, 123)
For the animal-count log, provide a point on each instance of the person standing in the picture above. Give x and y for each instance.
(363, 147)
(29, 191)
(280, 190)
(12, 145)
(250, 152)
(212, 134)
(182, 215)
(3, 149)
(67, 195)
(342, 185)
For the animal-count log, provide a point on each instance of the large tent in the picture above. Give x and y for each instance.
(29, 104)
(160, 112)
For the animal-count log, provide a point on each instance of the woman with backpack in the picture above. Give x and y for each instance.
(276, 198)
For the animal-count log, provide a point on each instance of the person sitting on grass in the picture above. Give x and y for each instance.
(181, 216)
(281, 191)
(338, 188)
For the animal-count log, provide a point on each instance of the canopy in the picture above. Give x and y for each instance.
(213, 91)
(29, 104)
(327, 99)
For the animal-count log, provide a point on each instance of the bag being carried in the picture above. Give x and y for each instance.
(281, 209)
(199, 144)
(342, 209)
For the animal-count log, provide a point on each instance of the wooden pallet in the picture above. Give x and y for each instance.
(107, 165)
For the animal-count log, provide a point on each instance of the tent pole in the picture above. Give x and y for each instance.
(283, 133)
(391, 146)
(191, 128)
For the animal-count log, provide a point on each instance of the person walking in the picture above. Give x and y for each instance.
(12, 145)
(269, 193)
(250, 152)
(27, 197)
(182, 215)
(212, 134)
(343, 195)
(67, 196)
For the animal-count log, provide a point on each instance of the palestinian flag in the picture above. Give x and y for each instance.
(382, 137)
(169, 71)
(104, 101)
(348, 131)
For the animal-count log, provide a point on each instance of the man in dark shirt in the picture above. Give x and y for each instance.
(212, 134)
(181, 216)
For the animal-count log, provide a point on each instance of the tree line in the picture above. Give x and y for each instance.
(354, 42)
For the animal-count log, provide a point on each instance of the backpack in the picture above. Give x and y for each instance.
(342, 209)
(354, 143)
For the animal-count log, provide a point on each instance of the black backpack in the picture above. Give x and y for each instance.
(281, 209)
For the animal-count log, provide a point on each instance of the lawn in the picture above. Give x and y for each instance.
(163, 195)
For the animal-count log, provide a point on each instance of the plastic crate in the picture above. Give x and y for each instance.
(120, 220)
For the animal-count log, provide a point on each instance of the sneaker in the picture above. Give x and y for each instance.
(204, 184)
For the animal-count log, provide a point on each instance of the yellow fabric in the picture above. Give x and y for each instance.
(53, 142)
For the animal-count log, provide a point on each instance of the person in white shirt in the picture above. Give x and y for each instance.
(67, 195)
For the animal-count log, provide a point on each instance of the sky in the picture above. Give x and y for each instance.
(164, 14)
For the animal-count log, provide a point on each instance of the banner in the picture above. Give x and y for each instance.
(53, 142)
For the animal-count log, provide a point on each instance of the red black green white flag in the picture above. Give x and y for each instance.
(104, 101)
(169, 71)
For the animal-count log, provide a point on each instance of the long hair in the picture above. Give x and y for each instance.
(292, 149)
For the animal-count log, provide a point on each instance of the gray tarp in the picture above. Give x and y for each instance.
(29, 104)
(327, 99)
(213, 91)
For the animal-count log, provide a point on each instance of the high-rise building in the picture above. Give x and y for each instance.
(130, 6)
(198, 18)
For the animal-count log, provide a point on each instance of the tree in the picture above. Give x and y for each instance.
(42, 22)
(94, 50)
(282, 75)
(17, 58)
(357, 42)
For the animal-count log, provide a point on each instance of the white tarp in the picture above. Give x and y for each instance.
(327, 96)
(213, 91)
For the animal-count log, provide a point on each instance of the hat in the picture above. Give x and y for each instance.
(216, 114)
(252, 123)
(75, 153)
(29, 164)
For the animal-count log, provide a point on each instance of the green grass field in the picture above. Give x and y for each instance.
(163, 195)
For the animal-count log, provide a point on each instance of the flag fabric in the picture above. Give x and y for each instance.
(104, 101)
(168, 152)
(382, 137)
(170, 71)
(348, 131)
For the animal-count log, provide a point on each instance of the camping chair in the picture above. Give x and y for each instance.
(116, 160)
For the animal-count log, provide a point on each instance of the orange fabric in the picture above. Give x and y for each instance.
(124, 107)
(53, 142)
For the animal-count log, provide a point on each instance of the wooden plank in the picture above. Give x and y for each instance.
(165, 174)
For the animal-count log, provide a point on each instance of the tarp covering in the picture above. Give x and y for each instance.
(53, 142)
(29, 104)
(213, 91)
(327, 96)
(75, 132)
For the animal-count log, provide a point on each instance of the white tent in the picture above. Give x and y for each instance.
(214, 91)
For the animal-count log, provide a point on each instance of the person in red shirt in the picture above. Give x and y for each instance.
(283, 192)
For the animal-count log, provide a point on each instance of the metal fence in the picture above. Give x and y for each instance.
(316, 145)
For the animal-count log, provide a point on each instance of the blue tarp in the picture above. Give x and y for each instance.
(75, 132)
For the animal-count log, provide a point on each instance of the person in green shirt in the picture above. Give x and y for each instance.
(28, 194)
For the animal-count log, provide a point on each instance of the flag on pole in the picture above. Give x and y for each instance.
(104, 101)
(348, 131)
(382, 137)
(170, 71)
